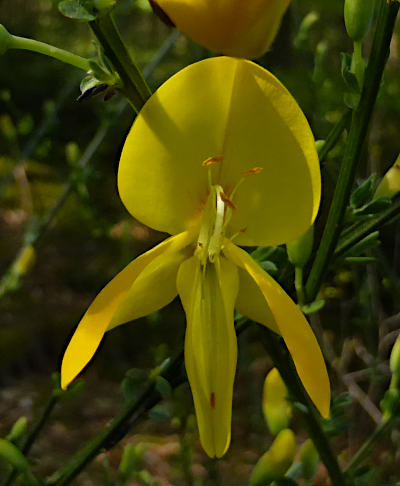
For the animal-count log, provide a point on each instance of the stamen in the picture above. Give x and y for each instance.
(212, 400)
(254, 171)
(243, 230)
(227, 201)
(212, 161)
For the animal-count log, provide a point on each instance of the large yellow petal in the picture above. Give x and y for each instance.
(98, 317)
(233, 27)
(250, 302)
(235, 109)
(208, 296)
(294, 328)
(153, 289)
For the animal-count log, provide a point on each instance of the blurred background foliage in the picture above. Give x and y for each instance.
(43, 133)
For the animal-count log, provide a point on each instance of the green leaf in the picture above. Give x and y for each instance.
(364, 192)
(368, 243)
(374, 207)
(82, 10)
(163, 387)
(348, 76)
(159, 412)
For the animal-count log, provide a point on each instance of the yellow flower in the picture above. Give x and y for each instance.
(191, 167)
(240, 28)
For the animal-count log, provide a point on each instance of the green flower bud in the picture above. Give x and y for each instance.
(276, 461)
(5, 39)
(18, 429)
(358, 15)
(395, 357)
(390, 403)
(277, 410)
(299, 251)
(309, 459)
(390, 184)
(103, 5)
(11, 453)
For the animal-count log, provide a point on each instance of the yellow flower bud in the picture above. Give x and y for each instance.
(25, 261)
(276, 461)
(277, 410)
(390, 184)
(232, 27)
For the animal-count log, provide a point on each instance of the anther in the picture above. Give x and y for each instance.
(227, 201)
(255, 170)
(212, 161)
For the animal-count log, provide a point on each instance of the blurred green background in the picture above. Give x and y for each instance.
(43, 130)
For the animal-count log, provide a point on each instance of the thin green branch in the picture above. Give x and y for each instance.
(43, 128)
(283, 362)
(34, 433)
(48, 50)
(358, 132)
(173, 372)
(334, 135)
(134, 87)
(359, 231)
(365, 451)
(33, 235)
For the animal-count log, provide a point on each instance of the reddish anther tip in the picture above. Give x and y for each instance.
(255, 170)
(212, 161)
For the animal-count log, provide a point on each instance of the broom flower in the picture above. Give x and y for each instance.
(221, 155)
(231, 27)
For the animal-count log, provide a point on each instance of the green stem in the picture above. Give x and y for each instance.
(358, 131)
(48, 50)
(334, 136)
(357, 64)
(285, 366)
(173, 372)
(359, 231)
(135, 87)
(298, 282)
(32, 436)
(368, 446)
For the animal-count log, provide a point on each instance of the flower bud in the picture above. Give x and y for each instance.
(276, 461)
(390, 184)
(309, 459)
(277, 410)
(18, 429)
(395, 357)
(5, 39)
(11, 453)
(25, 260)
(103, 5)
(236, 28)
(299, 251)
(358, 15)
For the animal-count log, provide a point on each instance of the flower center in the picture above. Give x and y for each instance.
(217, 214)
(212, 231)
